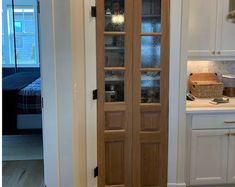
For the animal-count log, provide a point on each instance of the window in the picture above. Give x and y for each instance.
(25, 27)
(18, 26)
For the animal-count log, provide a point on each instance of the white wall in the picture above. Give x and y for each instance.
(62, 60)
(49, 93)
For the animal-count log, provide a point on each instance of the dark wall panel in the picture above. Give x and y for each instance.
(9, 71)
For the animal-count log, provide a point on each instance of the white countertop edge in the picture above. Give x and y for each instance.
(207, 110)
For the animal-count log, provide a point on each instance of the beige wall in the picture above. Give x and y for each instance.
(79, 90)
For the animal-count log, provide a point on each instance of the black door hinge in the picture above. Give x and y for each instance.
(95, 94)
(96, 172)
(93, 11)
(42, 102)
(38, 6)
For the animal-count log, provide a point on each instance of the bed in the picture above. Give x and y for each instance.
(29, 106)
(21, 103)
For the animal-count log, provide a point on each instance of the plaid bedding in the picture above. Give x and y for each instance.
(29, 98)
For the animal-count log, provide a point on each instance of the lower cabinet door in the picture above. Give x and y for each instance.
(231, 158)
(209, 155)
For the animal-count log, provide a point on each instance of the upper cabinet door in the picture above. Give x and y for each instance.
(231, 157)
(226, 31)
(202, 28)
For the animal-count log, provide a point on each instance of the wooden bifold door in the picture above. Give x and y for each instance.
(132, 81)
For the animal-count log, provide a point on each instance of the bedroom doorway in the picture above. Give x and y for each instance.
(22, 108)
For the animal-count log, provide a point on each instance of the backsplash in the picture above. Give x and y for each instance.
(211, 67)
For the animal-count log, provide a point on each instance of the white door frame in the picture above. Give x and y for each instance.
(177, 115)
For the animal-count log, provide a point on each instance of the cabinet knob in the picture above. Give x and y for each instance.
(213, 52)
(230, 122)
(227, 134)
(218, 52)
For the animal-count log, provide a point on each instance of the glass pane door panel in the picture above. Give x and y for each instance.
(150, 87)
(114, 15)
(114, 86)
(151, 16)
(114, 51)
(150, 51)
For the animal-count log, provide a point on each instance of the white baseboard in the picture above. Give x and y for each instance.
(168, 185)
(176, 185)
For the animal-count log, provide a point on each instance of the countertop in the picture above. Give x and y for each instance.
(204, 105)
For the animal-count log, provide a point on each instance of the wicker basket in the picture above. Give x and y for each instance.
(205, 85)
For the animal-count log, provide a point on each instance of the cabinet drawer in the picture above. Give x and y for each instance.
(213, 121)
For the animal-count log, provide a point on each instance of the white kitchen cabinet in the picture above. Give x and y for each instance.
(209, 154)
(226, 31)
(211, 148)
(211, 36)
(231, 157)
(202, 26)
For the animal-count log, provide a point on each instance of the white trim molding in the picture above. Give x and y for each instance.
(177, 114)
(91, 105)
(176, 185)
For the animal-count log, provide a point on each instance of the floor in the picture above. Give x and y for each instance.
(22, 173)
(22, 164)
(22, 147)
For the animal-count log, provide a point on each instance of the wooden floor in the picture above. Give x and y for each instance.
(22, 173)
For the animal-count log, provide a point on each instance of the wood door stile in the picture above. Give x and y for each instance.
(165, 88)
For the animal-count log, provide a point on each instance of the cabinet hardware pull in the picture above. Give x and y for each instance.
(229, 122)
(232, 134)
(218, 52)
(227, 134)
(213, 52)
